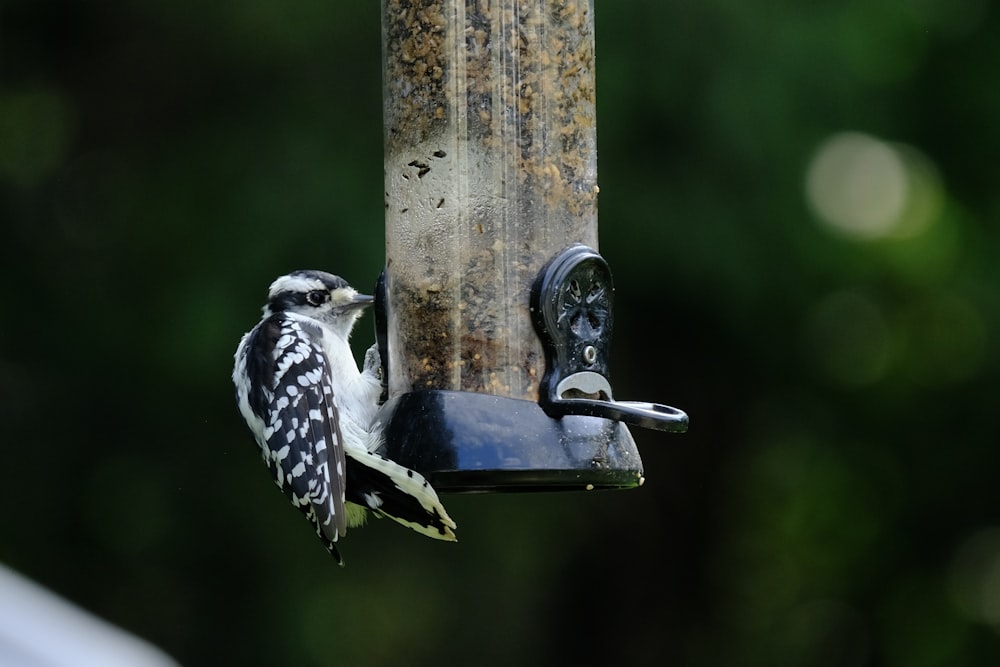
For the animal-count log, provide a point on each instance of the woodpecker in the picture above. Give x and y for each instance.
(311, 411)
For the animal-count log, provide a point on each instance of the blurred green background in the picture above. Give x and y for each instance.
(799, 201)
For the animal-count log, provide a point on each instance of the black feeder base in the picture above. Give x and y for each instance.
(575, 437)
(465, 442)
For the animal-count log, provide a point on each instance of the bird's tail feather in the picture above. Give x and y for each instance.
(391, 490)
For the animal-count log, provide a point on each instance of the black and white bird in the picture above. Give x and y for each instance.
(311, 411)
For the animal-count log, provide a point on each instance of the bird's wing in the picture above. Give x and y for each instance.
(302, 443)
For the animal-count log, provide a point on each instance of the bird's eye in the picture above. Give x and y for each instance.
(316, 297)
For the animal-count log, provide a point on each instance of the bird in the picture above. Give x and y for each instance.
(312, 411)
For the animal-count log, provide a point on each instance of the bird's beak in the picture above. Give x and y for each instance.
(362, 300)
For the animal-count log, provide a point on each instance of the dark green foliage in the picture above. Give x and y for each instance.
(832, 504)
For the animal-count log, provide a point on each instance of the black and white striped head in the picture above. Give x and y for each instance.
(319, 295)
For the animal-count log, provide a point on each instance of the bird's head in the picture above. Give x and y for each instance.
(319, 295)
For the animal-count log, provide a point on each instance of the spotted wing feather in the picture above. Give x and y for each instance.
(301, 441)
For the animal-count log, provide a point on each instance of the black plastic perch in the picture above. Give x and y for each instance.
(572, 309)
(494, 314)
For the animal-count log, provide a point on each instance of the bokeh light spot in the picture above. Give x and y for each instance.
(846, 335)
(869, 189)
(975, 577)
(945, 338)
(35, 134)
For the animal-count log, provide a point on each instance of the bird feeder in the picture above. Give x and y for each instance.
(494, 312)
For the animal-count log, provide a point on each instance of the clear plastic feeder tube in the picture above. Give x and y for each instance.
(490, 170)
